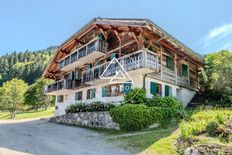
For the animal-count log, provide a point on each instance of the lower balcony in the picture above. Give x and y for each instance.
(62, 87)
(140, 62)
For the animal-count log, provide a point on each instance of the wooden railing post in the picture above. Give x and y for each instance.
(161, 60)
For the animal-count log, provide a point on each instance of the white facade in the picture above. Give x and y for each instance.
(183, 94)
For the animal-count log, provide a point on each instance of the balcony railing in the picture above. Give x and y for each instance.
(137, 60)
(61, 85)
(95, 45)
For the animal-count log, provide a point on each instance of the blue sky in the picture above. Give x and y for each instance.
(205, 26)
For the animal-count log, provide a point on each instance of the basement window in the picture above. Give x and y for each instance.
(60, 98)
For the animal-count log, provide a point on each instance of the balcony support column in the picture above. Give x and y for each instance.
(175, 67)
(161, 61)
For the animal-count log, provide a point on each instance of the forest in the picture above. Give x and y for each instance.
(27, 65)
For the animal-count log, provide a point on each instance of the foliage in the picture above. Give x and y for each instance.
(79, 107)
(211, 127)
(131, 116)
(199, 120)
(163, 110)
(215, 77)
(28, 65)
(12, 95)
(136, 96)
(35, 97)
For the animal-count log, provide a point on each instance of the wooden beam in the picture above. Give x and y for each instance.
(104, 33)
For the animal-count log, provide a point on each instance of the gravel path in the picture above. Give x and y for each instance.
(41, 137)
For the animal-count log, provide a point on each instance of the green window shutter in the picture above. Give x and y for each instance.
(184, 70)
(167, 88)
(62, 77)
(104, 92)
(76, 74)
(88, 66)
(71, 75)
(112, 55)
(170, 62)
(126, 88)
(100, 36)
(153, 88)
(92, 93)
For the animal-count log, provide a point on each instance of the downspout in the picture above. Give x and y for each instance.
(144, 80)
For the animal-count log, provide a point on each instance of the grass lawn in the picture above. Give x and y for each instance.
(28, 114)
(153, 141)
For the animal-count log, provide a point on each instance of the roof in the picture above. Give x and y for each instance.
(138, 22)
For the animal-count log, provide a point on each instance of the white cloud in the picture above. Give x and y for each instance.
(218, 33)
(227, 46)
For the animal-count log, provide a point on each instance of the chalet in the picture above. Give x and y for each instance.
(83, 69)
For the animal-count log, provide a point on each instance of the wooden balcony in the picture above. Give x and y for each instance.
(61, 87)
(87, 53)
(140, 62)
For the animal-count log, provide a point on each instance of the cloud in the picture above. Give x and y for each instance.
(217, 38)
(218, 33)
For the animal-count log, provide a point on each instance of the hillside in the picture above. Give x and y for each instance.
(28, 65)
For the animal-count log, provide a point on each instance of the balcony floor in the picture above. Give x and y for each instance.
(60, 92)
(80, 62)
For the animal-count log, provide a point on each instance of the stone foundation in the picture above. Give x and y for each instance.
(88, 119)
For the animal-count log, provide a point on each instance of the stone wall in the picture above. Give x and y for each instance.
(89, 119)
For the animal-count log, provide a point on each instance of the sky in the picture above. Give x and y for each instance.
(203, 25)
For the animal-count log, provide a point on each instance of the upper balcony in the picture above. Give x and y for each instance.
(85, 54)
(140, 62)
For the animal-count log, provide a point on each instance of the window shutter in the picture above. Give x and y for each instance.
(167, 88)
(184, 70)
(170, 62)
(113, 55)
(76, 74)
(127, 88)
(153, 88)
(62, 77)
(104, 92)
(100, 36)
(71, 75)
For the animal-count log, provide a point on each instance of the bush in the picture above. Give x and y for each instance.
(131, 117)
(79, 107)
(136, 96)
(211, 128)
(154, 101)
(163, 110)
(164, 115)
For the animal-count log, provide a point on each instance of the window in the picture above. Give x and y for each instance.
(170, 62)
(184, 70)
(78, 96)
(60, 98)
(155, 88)
(168, 90)
(90, 93)
(71, 75)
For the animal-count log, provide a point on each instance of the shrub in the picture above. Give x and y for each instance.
(131, 117)
(211, 128)
(154, 101)
(79, 107)
(172, 102)
(136, 96)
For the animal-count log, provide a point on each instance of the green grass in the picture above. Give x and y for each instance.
(28, 114)
(161, 140)
(150, 140)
